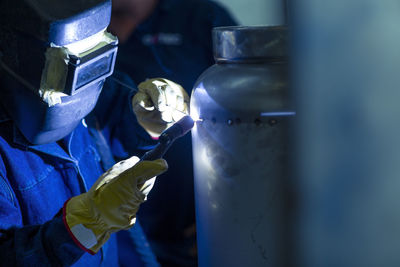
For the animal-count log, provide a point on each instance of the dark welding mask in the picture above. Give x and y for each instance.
(55, 56)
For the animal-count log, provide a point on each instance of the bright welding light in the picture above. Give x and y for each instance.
(199, 92)
(204, 158)
(194, 114)
(278, 114)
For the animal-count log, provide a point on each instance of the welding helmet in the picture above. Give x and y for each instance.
(54, 58)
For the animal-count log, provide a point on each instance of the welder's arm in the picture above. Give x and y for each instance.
(112, 202)
(47, 244)
(158, 104)
(110, 205)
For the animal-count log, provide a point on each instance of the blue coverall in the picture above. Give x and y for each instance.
(36, 180)
(173, 43)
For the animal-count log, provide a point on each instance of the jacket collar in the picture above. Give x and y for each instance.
(52, 149)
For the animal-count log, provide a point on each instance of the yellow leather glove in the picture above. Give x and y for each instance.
(158, 104)
(112, 202)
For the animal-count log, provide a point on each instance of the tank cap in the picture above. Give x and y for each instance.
(250, 43)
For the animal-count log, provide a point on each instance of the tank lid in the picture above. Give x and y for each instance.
(250, 43)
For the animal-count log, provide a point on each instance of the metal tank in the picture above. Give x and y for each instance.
(240, 148)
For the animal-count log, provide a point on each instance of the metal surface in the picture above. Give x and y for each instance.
(240, 157)
(249, 44)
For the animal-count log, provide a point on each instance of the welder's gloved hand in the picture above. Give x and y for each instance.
(158, 104)
(112, 202)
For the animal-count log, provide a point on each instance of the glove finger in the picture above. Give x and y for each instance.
(164, 100)
(115, 171)
(142, 113)
(123, 165)
(180, 89)
(153, 88)
(126, 210)
(144, 170)
(181, 101)
(177, 115)
(166, 116)
(170, 96)
(174, 100)
(142, 101)
(146, 187)
(180, 110)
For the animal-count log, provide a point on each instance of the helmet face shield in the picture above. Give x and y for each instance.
(74, 67)
(89, 69)
(55, 56)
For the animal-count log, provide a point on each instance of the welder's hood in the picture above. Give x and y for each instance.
(54, 57)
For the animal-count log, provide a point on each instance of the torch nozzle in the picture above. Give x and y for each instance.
(180, 128)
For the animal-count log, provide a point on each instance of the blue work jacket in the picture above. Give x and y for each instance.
(36, 180)
(173, 43)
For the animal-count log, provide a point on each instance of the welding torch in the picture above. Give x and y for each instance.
(178, 129)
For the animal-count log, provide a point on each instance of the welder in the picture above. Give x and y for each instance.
(59, 206)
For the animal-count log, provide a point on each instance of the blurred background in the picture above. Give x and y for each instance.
(256, 12)
(344, 67)
(345, 82)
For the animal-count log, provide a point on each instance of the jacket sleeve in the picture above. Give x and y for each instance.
(48, 244)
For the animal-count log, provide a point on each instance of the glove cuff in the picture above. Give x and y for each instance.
(83, 237)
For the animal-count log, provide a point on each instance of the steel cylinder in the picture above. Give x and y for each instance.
(240, 148)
